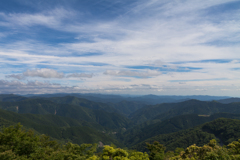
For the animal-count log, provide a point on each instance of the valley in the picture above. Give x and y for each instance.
(124, 123)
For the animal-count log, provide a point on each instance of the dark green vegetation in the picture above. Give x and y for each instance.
(61, 128)
(11, 98)
(138, 134)
(229, 100)
(124, 123)
(224, 130)
(127, 107)
(169, 110)
(123, 107)
(16, 143)
(146, 99)
(42, 106)
(83, 103)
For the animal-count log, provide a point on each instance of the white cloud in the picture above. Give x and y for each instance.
(146, 74)
(30, 87)
(38, 87)
(80, 75)
(153, 33)
(182, 82)
(52, 19)
(43, 73)
(16, 76)
(47, 73)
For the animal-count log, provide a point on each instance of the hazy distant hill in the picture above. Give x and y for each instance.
(92, 97)
(229, 100)
(11, 98)
(146, 99)
(154, 99)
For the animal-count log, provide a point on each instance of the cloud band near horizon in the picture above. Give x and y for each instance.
(181, 47)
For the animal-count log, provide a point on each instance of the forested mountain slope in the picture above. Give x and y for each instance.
(42, 106)
(83, 103)
(11, 97)
(169, 110)
(29, 146)
(148, 112)
(70, 118)
(127, 107)
(229, 100)
(124, 107)
(137, 135)
(61, 128)
(199, 107)
(225, 130)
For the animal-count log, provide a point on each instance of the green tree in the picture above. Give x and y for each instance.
(156, 151)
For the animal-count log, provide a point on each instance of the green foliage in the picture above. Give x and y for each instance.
(234, 147)
(178, 151)
(76, 120)
(16, 143)
(156, 151)
(209, 151)
(111, 153)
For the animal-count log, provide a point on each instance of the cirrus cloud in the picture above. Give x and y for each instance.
(123, 43)
(146, 74)
(80, 75)
(44, 73)
(47, 73)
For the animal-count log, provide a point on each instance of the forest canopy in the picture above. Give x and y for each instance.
(17, 143)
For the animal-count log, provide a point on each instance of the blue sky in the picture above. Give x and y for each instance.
(157, 47)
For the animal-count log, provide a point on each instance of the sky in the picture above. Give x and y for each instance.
(138, 47)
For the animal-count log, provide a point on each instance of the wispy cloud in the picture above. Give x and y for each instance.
(52, 19)
(164, 41)
(16, 76)
(80, 75)
(47, 73)
(44, 73)
(146, 74)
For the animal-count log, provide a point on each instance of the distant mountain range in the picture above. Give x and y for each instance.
(146, 99)
(125, 121)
